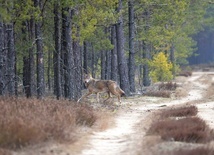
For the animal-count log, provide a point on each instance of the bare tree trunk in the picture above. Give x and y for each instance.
(11, 60)
(40, 56)
(28, 61)
(78, 69)
(131, 47)
(108, 58)
(92, 61)
(146, 56)
(108, 65)
(49, 70)
(57, 53)
(114, 71)
(2, 55)
(32, 78)
(26, 76)
(172, 59)
(146, 52)
(85, 57)
(68, 49)
(122, 62)
(103, 64)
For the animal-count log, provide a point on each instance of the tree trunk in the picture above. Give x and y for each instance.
(77, 70)
(26, 81)
(2, 56)
(11, 60)
(32, 78)
(114, 71)
(40, 56)
(28, 61)
(108, 65)
(172, 59)
(92, 61)
(49, 70)
(85, 57)
(131, 47)
(146, 52)
(68, 55)
(103, 64)
(146, 56)
(57, 53)
(108, 58)
(122, 62)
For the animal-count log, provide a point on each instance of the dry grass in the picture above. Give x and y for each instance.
(168, 86)
(185, 129)
(190, 129)
(30, 121)
(163, 89)
(185, 73)
(196, 151)
(180, 112)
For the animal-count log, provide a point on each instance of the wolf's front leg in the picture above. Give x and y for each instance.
(98, 100)
(89, 93)
(109, 96)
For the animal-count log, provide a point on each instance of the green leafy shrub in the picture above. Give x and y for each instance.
(160, 68)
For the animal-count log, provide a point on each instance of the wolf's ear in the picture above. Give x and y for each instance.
(88, 76)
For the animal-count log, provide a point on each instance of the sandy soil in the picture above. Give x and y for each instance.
(127, 134)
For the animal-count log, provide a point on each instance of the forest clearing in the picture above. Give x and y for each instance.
(121, 129)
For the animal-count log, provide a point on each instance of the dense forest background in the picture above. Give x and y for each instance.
(47, 45)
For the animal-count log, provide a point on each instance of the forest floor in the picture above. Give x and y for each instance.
(126, 132)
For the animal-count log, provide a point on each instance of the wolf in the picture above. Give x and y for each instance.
(96, 86)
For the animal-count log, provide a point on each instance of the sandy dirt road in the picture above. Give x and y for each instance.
(128, 133)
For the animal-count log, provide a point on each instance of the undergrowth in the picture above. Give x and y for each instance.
(180, 124)
(191, 129)
(163, 89)
(29, 121)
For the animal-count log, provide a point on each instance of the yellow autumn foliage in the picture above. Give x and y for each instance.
(160, 68)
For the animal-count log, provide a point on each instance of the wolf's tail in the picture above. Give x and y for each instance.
(122, 93)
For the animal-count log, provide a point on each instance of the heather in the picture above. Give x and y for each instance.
(25, 122)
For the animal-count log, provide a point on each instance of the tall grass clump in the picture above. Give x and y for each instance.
(29, 121)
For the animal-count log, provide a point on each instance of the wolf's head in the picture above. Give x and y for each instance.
(87, 78)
